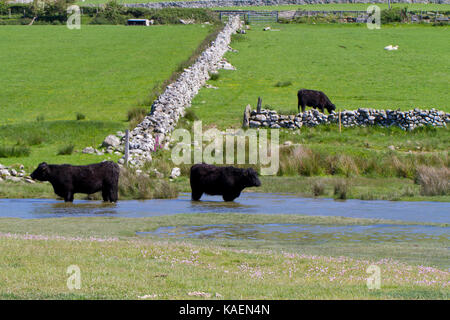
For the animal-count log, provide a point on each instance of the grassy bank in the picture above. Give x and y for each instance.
(116, 264)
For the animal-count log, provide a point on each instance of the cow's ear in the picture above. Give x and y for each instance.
(44, 166)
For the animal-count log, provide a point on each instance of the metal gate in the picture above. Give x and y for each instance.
(262, 16)
(250, 16)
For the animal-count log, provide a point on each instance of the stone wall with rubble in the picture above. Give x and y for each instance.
(154, 131)
(407, 120)
(248, 3)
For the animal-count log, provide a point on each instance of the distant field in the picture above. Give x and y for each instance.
(347, 62)
(327, 6)
(98, 71)
(344, 6)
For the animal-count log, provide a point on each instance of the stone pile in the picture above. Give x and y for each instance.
(14, 175)
(406, 120)
(154, 131)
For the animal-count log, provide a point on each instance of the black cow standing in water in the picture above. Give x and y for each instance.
(315, 99)
(68, 180)
(225, 181)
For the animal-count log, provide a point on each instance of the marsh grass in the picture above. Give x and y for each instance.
(433, 181)
(139, 186)
(318, 188)
(303, 160)
(341, 188)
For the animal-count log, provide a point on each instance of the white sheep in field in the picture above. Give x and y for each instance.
(390, 47)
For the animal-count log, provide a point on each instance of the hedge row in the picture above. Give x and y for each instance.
(111, 13)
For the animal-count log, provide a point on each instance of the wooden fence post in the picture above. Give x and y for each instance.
(127, 146)
(258, 106)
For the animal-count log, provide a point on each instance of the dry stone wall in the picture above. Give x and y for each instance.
(154, 131)
(406, 120)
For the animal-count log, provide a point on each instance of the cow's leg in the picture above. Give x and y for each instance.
(68, 196)
(303, 107)
(105, 194)
(113, 194)
(230, 196)
(321, 109)
(196, 194)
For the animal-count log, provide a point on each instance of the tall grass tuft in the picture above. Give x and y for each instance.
(300, 160)
(341, 187)
(66, 150)
(40, 118)
(433, 181)
(318, 188)
(134, 186)
(136, 115)
(14, 151)
(80, 116)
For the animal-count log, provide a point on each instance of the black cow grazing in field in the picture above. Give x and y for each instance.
(225, 181)
(315, 99)
(68, 180)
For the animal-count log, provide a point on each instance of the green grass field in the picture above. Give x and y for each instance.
(115, 264)
(348, 63)
(99, 71)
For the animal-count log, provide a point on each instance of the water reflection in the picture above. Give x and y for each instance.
(250, 203)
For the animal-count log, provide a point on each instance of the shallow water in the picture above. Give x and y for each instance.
(305, 232)
(250, 203)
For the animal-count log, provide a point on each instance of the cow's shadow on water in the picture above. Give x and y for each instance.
(82, 208)
(218, 205)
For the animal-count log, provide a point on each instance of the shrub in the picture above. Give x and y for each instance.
(3, 7)
(114, 12)
(393, 15)
(80, 116)
(433, 181)
(190, 115)
(14, 151)
(134, 186)
(66, 150)
(214, 76)
(341, 187)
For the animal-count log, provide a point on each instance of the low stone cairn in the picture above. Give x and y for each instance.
(11, 174)
(406, 120)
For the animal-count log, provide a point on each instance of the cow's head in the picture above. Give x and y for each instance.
(41, 173)
(331, 108)
(251, 178)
